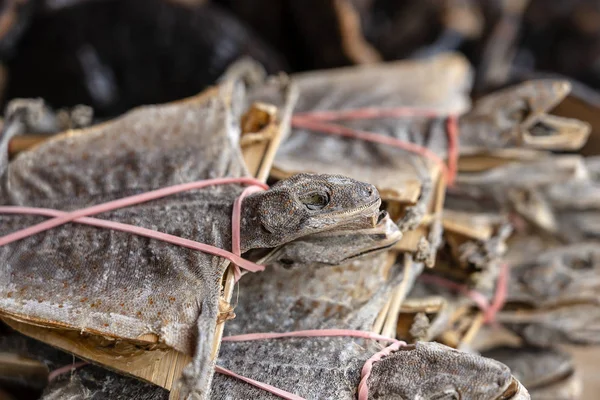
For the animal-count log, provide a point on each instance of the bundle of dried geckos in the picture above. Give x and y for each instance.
(122, 297)
(327, 312)
(381, 124)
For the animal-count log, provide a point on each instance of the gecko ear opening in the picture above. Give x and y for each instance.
(280, 211)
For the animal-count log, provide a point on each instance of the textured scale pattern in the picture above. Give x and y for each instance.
(115, 283)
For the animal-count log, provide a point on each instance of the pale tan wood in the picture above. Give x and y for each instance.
(475, 226)
(27, 142)
(476, 325)
(158, 365)
(499, 157)
(378, 324)
(22, 143)
(398, 296)
(410, 241)
(259, 157)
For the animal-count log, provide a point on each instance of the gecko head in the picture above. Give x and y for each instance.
(337, 247)
(521, 116)
(305, 204)
(434, 371)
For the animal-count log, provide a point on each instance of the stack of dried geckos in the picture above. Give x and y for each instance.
(399, 215)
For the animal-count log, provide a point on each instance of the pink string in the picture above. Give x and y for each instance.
(489, 310)
(235, 228)
(363, 390)
(318, 121)
(264, 386)
(121, 203)
(81, 216)
(308, 333)
(368, 113)
(67, 368)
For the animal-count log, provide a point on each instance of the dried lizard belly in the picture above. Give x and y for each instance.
(147, 148)
(312, 297)
(126, 283)
(393, 171)
(548, 373)
(348, 296)
(313, 368)
(115, 283)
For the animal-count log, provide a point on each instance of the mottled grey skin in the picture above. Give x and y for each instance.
(37, 118)
(548, 373)
(520, 186)
(562, 275)
(288, 211)
(553, 296)
(121, 285)
(577, 323)
(577, 205)
(335, 247)
(346, 296)
(435, 371)
(518, 117)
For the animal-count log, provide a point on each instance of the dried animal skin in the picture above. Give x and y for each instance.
(521, 186)
(561, 275)
(335, 247)
(577, 323)
(60, 277)
(548, 373)
(38, 118)
(394, 172)
(518, 118)
(553, 296)
(347, 296)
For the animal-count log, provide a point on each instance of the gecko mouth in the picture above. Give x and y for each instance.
(357, 210)
(370, 251)
(514, 391)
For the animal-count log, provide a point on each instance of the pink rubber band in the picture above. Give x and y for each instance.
(137, 230)
(363, 390)
(264, 386)
(80, 216)
(479, 299)
(489, 310)
(121, 203)
(67, 368)
(319, 121)
(308, 333)
(499, 295)
(235, 228)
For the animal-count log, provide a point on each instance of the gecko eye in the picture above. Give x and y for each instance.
(518, 111)
(315, 201)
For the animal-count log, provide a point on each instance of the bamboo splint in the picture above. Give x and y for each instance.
(150, 361)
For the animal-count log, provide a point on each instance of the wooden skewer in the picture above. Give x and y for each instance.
(22, 143)
(156, 364)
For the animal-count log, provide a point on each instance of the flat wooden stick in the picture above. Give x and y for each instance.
(158, 365)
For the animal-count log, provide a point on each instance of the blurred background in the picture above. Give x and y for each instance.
(117, 54)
